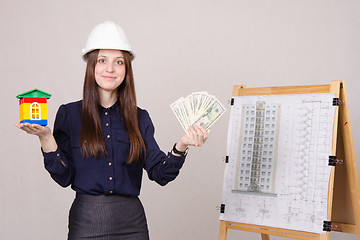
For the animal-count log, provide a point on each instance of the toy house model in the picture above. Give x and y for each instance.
(33, 106)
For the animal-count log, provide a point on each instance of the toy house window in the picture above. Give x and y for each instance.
(35, 111)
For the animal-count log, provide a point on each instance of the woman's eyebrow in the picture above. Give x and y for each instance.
(108, 57)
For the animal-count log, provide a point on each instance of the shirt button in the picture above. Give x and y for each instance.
(107, 124)
(109, 163)
(63, 163)
(106, 113)
(110, 178)
(58, 154)
(111, 192)
(108, 136)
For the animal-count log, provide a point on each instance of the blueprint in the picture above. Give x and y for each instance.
(278, 150)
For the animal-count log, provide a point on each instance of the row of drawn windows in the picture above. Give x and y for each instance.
(261, 113)
(250, 159)
(263, 153)
(267, 119)
(257, 140)
(259, 147)
(259, 126)
(256, 166)
(247, 179)
(263, 173)
(260, 133)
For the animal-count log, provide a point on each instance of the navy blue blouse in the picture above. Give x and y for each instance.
(107, 174)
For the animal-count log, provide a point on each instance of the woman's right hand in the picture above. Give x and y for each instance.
(46, 138)
(34, 129)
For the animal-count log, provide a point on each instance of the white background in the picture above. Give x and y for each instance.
(181, 47)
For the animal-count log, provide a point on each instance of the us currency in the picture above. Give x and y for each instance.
(177, 109)
(197, 108)
(211, 115)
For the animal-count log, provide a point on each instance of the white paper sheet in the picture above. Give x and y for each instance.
(278, 174)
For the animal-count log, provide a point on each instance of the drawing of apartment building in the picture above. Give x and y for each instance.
(257, 156)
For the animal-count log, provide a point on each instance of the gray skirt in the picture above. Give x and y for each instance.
(107, 218)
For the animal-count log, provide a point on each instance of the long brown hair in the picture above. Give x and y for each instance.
(91, 134)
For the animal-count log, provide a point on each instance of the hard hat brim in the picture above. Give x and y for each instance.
(86, 53)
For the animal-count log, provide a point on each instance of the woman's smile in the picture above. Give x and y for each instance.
(109, 77)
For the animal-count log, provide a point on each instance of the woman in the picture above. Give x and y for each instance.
(101, 144)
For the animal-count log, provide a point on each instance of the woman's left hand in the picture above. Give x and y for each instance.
(196, 136)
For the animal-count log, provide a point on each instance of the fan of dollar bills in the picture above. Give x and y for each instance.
(197, 108)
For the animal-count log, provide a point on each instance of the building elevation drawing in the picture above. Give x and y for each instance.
(277, 172)
(256, 163)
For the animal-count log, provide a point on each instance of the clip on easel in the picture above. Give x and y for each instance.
(344, 190)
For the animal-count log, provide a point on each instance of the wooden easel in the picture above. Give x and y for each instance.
(344, 190)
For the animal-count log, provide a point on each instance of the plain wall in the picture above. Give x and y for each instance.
(181, 47)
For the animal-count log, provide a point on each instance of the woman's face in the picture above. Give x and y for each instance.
(109, 70)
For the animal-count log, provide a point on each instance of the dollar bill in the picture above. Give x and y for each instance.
(211, 115)
(197, 108)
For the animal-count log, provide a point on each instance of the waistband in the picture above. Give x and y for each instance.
(83, 197)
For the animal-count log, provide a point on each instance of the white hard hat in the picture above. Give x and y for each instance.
(107, 35)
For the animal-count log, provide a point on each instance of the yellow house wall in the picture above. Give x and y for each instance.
(21, 112)
(24, 111)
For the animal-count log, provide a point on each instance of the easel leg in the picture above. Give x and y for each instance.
(265, 237)
(223, 230)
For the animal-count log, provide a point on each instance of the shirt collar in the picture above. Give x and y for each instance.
(113, 107)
